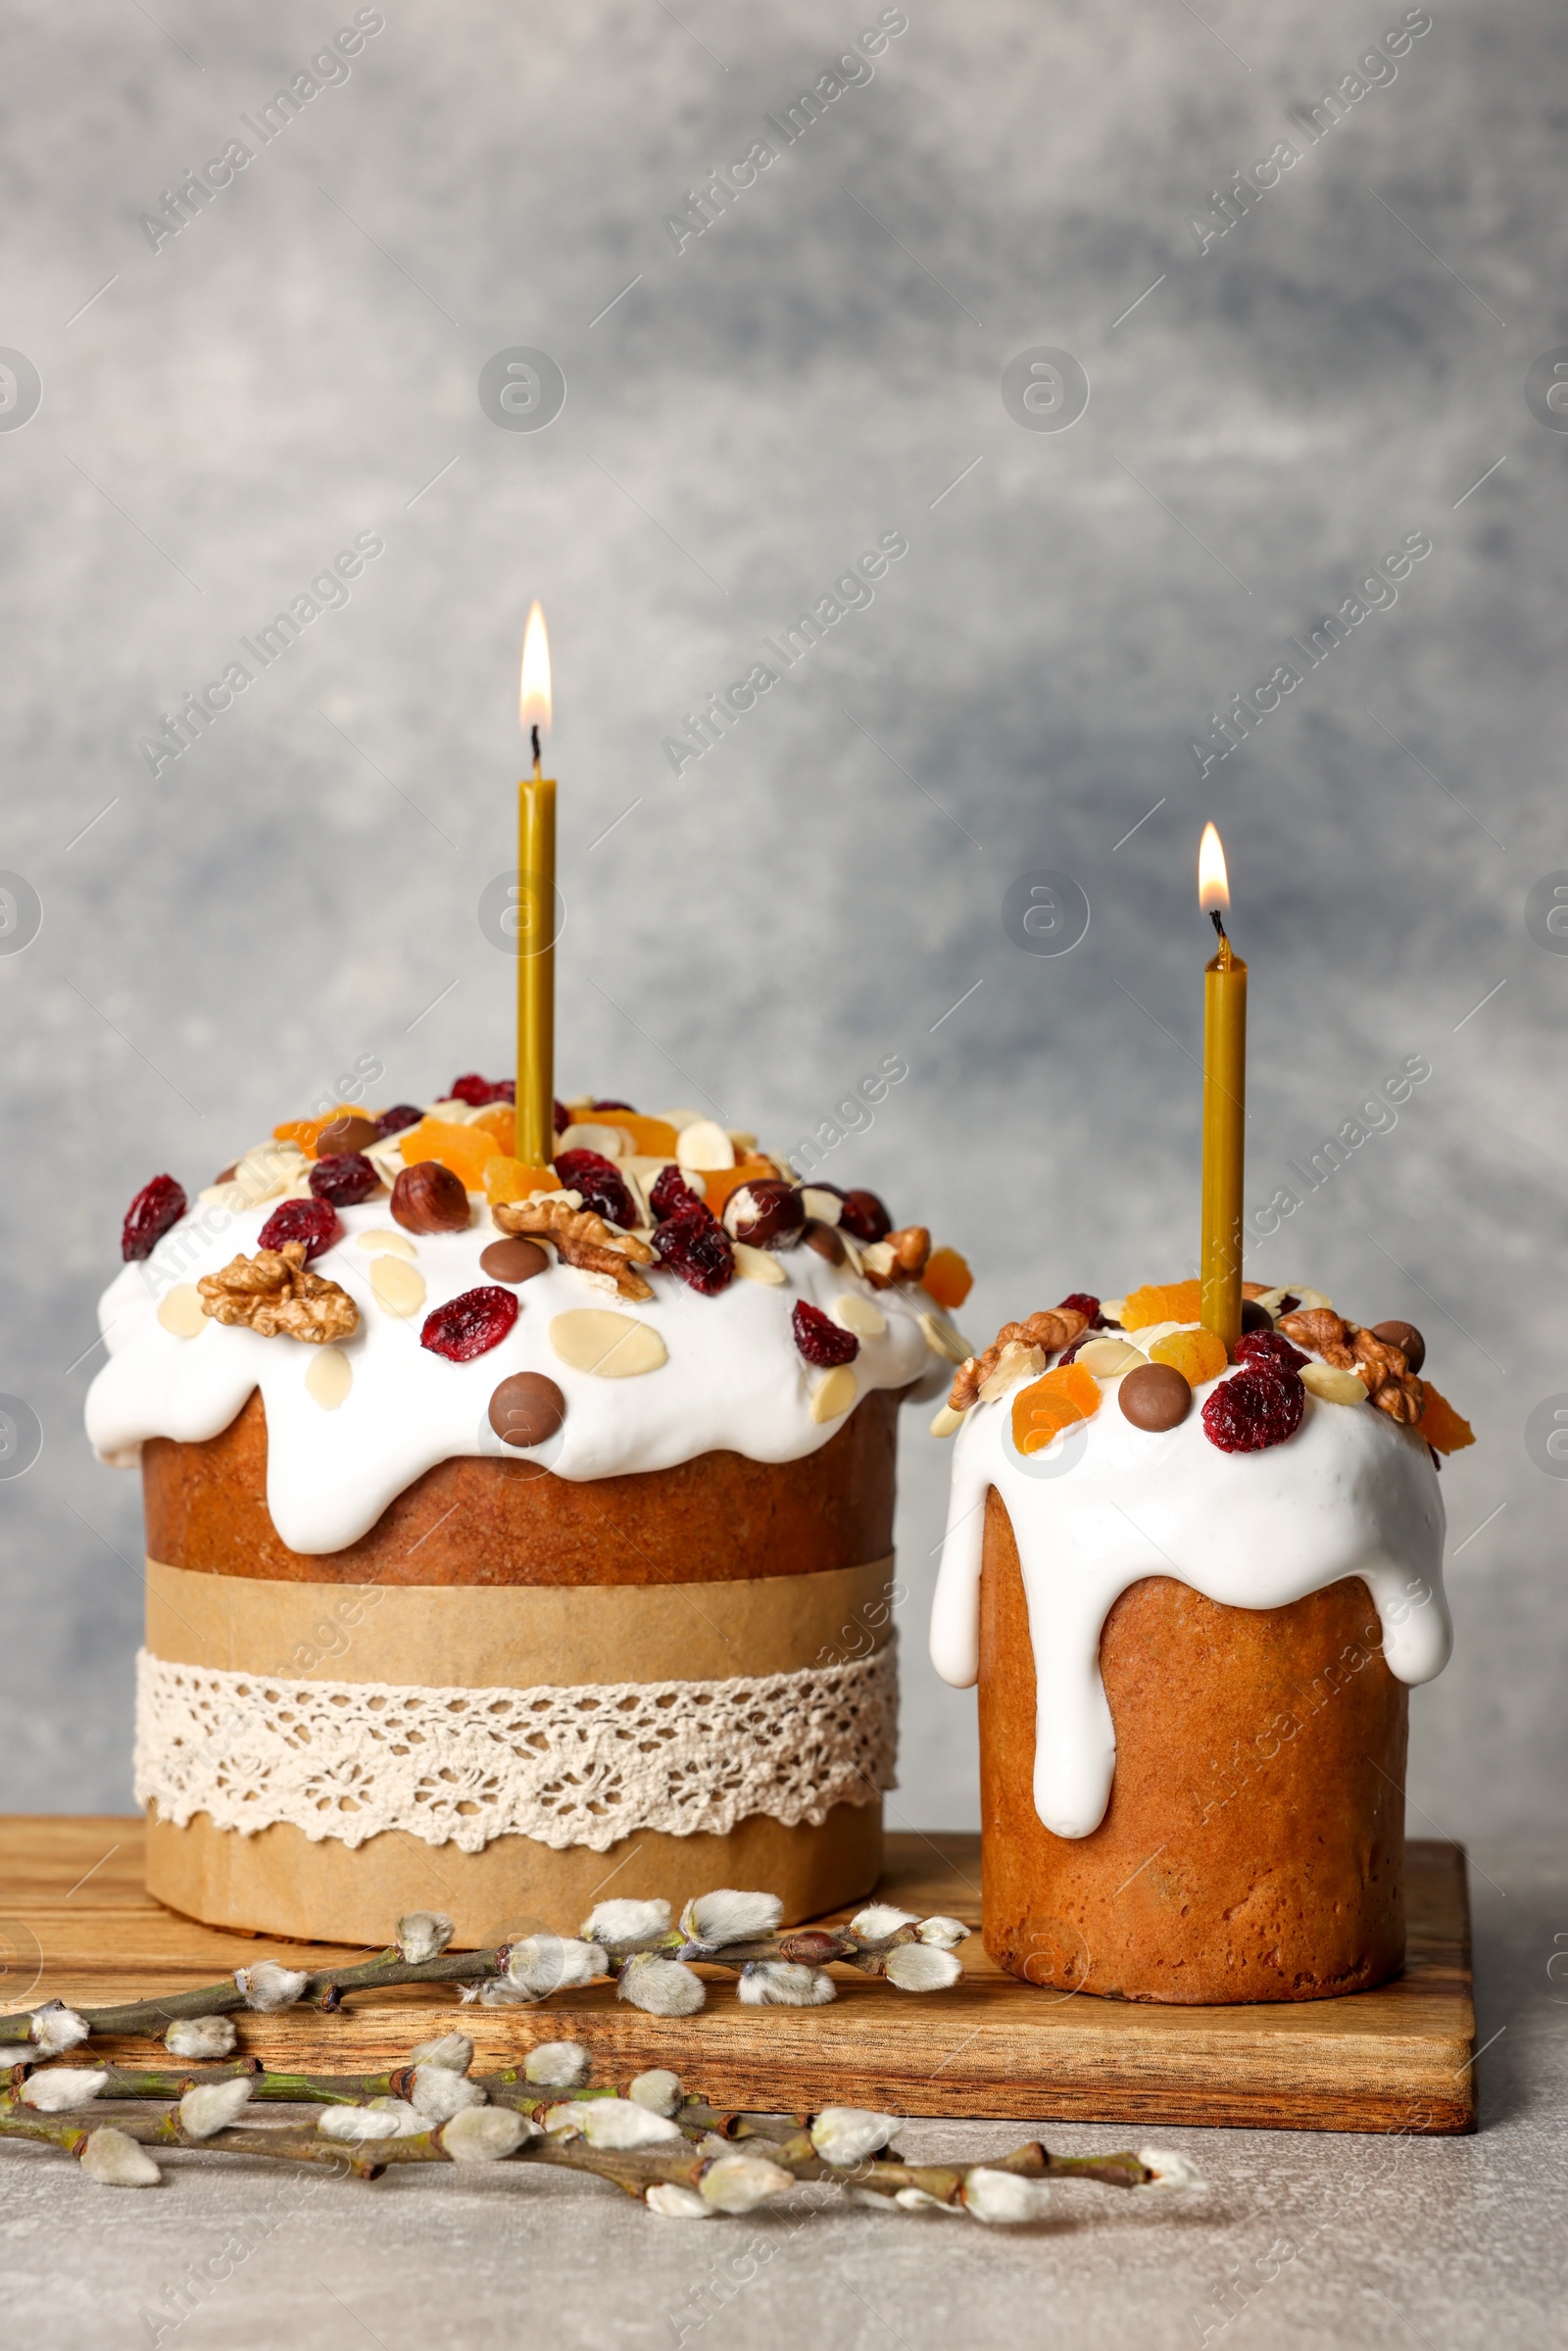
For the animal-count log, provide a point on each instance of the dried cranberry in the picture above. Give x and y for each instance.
(476, 1091)
(470, 1325)
(601, 1183)
(561, 1116)
(820, 1340)
(1260, 1348)
(1289, 1302)
(401, 1115)
(672, 1195)
(1254, 1409)
(311, 1221)
(695, 1245)
(596, 1107)
(864, 1218)
(156, 1206)
(343, 1178)
(1084, 1304)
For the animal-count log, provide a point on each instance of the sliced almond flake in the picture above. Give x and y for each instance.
(1109, 1357)
(860, 1315)
(329, 1378)
(742, 1138)
(397, 1288)
(612, 1347)
(1311, 1298)
(1014, 1363)
(680, 1120)
(943, 1340)
(1112, 1309)
(852, 1256)
(595, 1134)
(454, 1113)
(179, 1310)
(825, 1207)
(948, 1422)
(704, 1146)
(386, 1243)
(1332, 1386)
(757, 1265)
(834, 1394)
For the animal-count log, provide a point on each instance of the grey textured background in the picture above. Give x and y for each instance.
(817, 894)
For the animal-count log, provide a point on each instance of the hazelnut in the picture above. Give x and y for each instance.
(767, 1214)
(1255, 1317)
(428, 1198)
(865, 1218)
(824, 1239)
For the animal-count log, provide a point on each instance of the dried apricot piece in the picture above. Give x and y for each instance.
(508, 1179)
(652, 1138)
(500, 1121)
(1052, 1403)
(1440, 1425)
(946, 1278)
(1160, 1302)
(1198, 1355)
(464, 1150)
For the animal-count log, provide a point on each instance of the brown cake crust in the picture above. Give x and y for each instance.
(1254, 1845)
(472, 1521)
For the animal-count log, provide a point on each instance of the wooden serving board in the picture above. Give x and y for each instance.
(75, 1924)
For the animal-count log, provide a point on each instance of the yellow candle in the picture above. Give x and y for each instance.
(1224, 1107)
(536, 915)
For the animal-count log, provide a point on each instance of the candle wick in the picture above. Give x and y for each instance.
(534, 732)
(1215, 916)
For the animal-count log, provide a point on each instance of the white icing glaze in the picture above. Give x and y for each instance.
(1351, 1493)
(734, 1380)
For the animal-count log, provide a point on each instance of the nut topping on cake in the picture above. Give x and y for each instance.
(275, 1296)
(1383, 1369)
(581, 1238)
(901, 1257)
(1049, 1330)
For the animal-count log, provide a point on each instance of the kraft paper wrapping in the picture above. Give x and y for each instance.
(278, 1882)
(517, 1637)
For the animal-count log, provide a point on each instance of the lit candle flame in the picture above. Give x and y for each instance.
(533, 701)
(1213, 886)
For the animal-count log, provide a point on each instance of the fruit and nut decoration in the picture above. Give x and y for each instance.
(630, 1203)
(1149, 1353)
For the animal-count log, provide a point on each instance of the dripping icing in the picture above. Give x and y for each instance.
(734, 1380)
(1351, 1493)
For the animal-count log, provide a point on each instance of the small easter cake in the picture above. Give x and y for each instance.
(1195, 1589)
(512, 1528)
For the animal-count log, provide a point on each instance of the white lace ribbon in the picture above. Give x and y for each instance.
(580, 1766)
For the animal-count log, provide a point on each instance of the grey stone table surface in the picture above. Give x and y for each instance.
(1299, 2239)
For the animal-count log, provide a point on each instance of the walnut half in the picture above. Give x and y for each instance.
(275, 1296)
(581, 1238)
(1382, 1370)
(1054, 1328)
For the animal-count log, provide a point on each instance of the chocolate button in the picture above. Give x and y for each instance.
(1155, 1397)
(526, 1408)
(1407, 1337)
(513, 1259)
(346, 1134)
